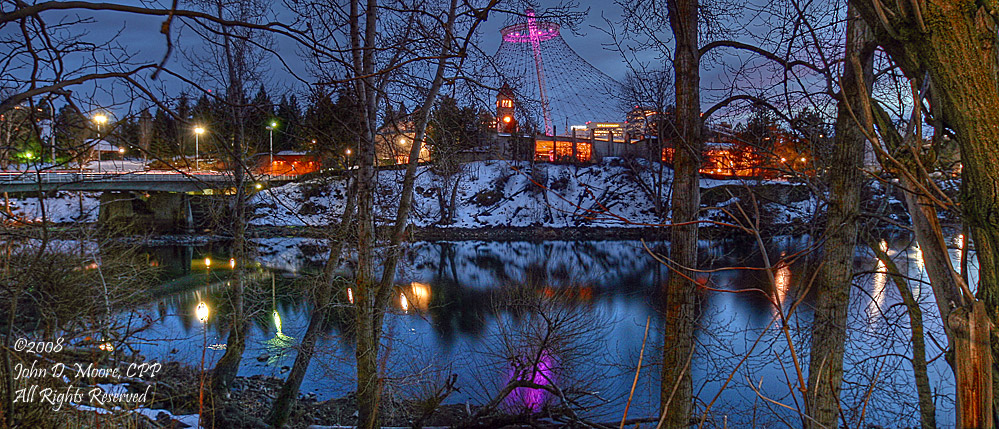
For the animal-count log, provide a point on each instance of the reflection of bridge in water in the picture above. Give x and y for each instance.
(153, 181)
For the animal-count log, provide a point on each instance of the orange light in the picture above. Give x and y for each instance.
(507, 119)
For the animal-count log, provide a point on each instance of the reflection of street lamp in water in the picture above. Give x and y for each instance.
(278, 346)
(202, 313)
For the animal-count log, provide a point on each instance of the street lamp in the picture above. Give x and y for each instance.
(198, 131)
(52, 121)
(100, 119)
(271, 128)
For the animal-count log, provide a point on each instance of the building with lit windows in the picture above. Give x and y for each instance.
(506, 121)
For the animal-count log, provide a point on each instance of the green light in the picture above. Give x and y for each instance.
(273, 124)
(277, 321)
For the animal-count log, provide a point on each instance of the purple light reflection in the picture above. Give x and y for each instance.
(542, 374)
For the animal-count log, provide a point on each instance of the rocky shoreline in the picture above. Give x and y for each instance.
(250, 400)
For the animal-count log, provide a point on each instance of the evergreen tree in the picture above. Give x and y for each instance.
(290, 120)
(258, 118)
(72, 129)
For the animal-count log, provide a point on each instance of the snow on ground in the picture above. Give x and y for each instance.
(288, 253)
(493, 194)
(63, 208)
(613, 193)
(787, 213)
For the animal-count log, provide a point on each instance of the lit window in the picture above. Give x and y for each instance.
(506, 103)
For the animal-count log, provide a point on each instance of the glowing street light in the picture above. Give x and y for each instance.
(198, 131)
(271, 128)
(99, 119)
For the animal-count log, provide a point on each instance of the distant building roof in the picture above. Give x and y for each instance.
(101, 145)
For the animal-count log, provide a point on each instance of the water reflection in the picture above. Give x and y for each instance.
(540, 371)
(446, 307)
(782, 282)
(877, 292)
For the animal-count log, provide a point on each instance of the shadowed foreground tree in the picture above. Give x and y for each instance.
(835, 277)
(431, 42)
(685, 203)
(954, 43)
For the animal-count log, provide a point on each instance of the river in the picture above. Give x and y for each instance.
(469, 308)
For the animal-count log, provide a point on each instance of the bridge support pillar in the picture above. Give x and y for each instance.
(116, 209)
(171, 211)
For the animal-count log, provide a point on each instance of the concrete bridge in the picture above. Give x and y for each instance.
(165, 201)
(148, 181)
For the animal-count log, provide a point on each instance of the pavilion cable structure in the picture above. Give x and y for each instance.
(552, 83)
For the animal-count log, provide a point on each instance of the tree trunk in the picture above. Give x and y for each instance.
(927, 410)
(228, 365)
(835, 276)
(954, 41)
(324, 299)
(972, 365)
(685, 202)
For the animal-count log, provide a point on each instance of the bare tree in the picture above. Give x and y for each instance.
(424, 39)
(835, 276)
(953, 43)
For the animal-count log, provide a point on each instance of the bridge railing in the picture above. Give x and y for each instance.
(22, 177)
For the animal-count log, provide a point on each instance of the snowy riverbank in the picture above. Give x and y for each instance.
(491, 194)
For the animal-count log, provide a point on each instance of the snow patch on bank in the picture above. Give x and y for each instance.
(64, 207)
(494, 194)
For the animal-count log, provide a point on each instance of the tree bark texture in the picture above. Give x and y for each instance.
(971, 328)
(955, 42)
(835, 276)
(366, 346)
(685, 202)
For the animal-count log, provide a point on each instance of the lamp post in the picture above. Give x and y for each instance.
(198, 131)
(271, 128)
(52, 123)
(100, 119)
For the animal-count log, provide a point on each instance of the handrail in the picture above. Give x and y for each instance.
(130, 176)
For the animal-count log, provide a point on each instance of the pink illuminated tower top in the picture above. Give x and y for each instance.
(521, 33)
(550, 79)
(534, 32)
